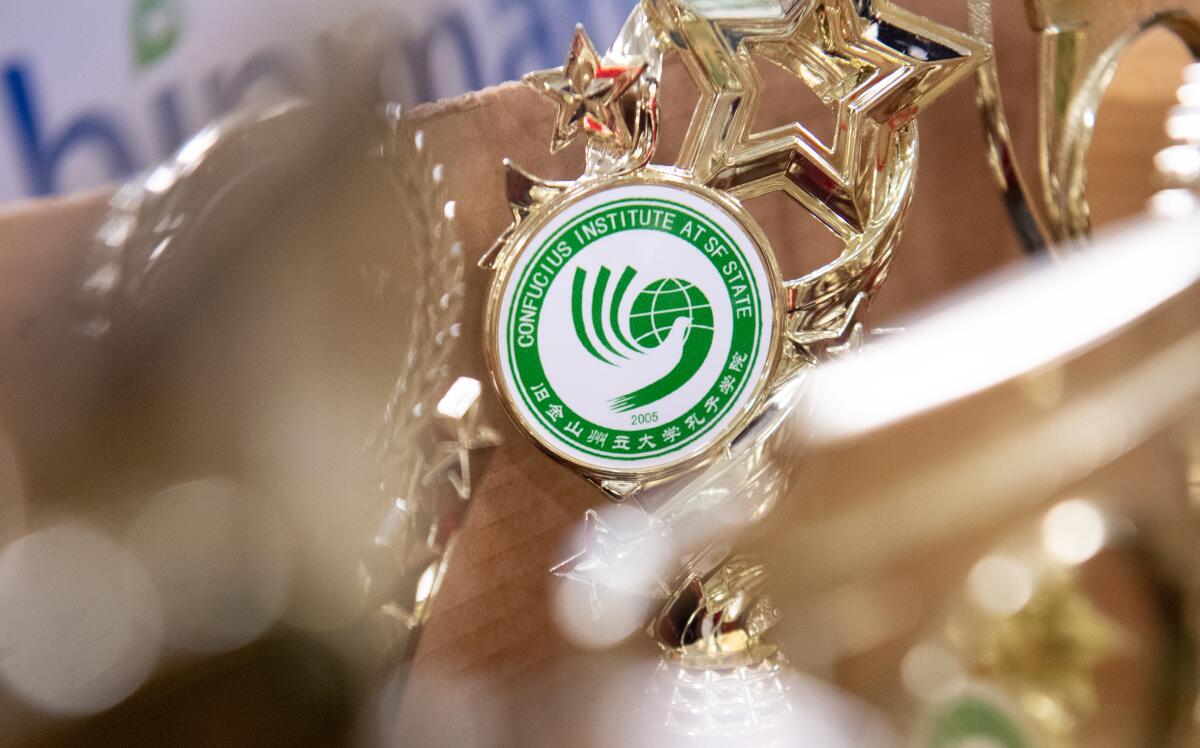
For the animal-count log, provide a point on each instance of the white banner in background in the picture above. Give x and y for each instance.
(93, 92)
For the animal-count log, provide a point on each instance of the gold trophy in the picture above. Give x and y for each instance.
(638, 327)
(940, 535)
(638, 321)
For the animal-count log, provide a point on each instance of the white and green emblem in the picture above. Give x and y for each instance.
(634, 329)
(975, 721)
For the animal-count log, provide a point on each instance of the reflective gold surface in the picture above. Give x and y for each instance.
(979, 448)
(590, 96)
(875, 68)
(1082, 44)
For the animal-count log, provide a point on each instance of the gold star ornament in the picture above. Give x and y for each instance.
(1051, 647)
(589, 95)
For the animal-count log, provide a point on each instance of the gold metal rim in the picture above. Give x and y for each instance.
(648, 177)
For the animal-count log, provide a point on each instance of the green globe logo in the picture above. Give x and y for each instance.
(670, 311)
(656, 309)
(638, 331)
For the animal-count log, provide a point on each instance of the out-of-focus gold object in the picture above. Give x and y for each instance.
(1082, 42)
(1047, 651)
(1005, 436)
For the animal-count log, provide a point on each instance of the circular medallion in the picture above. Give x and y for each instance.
(635, 329)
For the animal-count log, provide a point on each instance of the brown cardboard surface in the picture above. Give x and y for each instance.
(43, 369)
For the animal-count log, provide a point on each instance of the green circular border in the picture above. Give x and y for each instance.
(578, 442)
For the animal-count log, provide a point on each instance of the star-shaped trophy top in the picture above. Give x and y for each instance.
(1051, 647)
(589, 95)
(875, 66)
